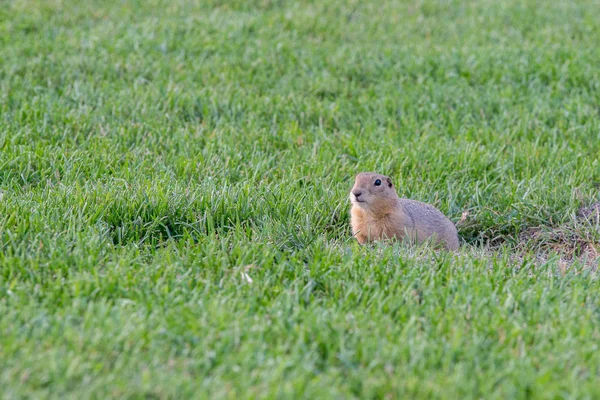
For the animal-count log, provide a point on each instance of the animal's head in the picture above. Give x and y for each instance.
(372, 191)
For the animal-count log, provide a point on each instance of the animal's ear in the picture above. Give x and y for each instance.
(389, 181)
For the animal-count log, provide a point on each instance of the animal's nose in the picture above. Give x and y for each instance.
(356, 192)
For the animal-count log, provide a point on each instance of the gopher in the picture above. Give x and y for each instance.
(378, 214)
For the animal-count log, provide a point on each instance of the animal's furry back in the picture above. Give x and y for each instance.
(428, 220)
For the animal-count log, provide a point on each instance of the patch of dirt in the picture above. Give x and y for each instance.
(572, 242)
(576, 242)
(590, 213)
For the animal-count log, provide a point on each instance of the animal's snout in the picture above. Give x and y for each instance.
(356, 192)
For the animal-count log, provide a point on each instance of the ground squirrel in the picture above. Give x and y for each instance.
(378, 213)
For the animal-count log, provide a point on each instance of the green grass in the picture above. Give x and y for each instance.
(174, 213)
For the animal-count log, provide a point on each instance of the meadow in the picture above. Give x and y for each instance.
(174, 180)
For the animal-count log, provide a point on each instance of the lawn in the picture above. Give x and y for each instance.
(174, 214)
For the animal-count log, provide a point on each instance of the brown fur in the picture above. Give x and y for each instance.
(378, 214)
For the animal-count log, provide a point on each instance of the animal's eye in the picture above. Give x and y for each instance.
(378, 182)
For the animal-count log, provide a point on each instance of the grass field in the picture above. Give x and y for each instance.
(174, 211)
